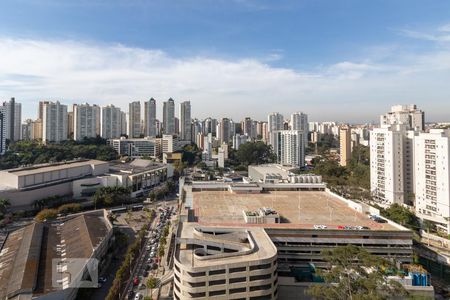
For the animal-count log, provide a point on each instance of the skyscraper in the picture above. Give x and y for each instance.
(13, 115)
(225, 131)
(54, 122)
(169, 116)
(210, 126)
(289, 146)
(275, 122)
(345, 144)
(150, 118)
(86, 121)
(111, 121)
(3, 125)
(299, 121)
(185, 121)
(134, 119)
(248, 128)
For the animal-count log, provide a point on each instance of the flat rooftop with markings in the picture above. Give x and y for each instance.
(297, 209)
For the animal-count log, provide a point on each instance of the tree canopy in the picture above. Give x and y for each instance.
(33, 152)
(353, 273)
(255, 153)
(401, 215)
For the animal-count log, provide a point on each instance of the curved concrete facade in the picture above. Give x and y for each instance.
(224, 263)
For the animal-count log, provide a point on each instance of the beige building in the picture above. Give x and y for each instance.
(345, 144)
(224, 263)
(22, 186)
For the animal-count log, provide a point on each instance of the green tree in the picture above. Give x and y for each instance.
(401, 215)
(255, 153)
(353, 273)
(151, 283)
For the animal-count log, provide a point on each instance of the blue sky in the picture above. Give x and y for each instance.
(335, 60)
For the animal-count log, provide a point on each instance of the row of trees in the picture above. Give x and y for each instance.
(52, 213)
(161, 192)
(34, 152)
(122, 275)
(111, 196)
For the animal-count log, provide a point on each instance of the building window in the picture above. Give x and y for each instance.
(259, 267)
(236, 280)
(216, 272)
(217, 282)
(217, 293)
(238, 290)
(197, 295)
(240, 269)
(260, 277)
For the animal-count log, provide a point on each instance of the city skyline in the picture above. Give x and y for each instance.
(253, 54)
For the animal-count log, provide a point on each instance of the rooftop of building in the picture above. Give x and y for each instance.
(284, 171)
(27, 255)
(134, 167)
(242, 245)
(297, 209)
(41, 168)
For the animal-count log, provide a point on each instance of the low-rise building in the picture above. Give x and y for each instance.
(140, 175)
(49, 260)
(22, 186)
(136, 147)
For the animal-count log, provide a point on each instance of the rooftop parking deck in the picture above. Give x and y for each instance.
(298, 209)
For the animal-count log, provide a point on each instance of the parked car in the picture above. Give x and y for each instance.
(320, 227)
(135, 281)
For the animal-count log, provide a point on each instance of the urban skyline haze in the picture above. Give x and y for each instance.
(230, 58)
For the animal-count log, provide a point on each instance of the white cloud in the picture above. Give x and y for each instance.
(74, 72)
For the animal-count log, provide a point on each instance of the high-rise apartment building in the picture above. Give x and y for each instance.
(345, 145)
(134, 119)
(299, 121)
(275, 122)
(224, 130)
(210, 126)
(3, 126)
(150, 118)
(391, 175)
(86, 121)
(185, 121)
(111, 122)
(13, 115)
(432, 176)
(248, 128)
(169, 116)
(54, 122)
(289, 146)
(404, 114)
(27, 128)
